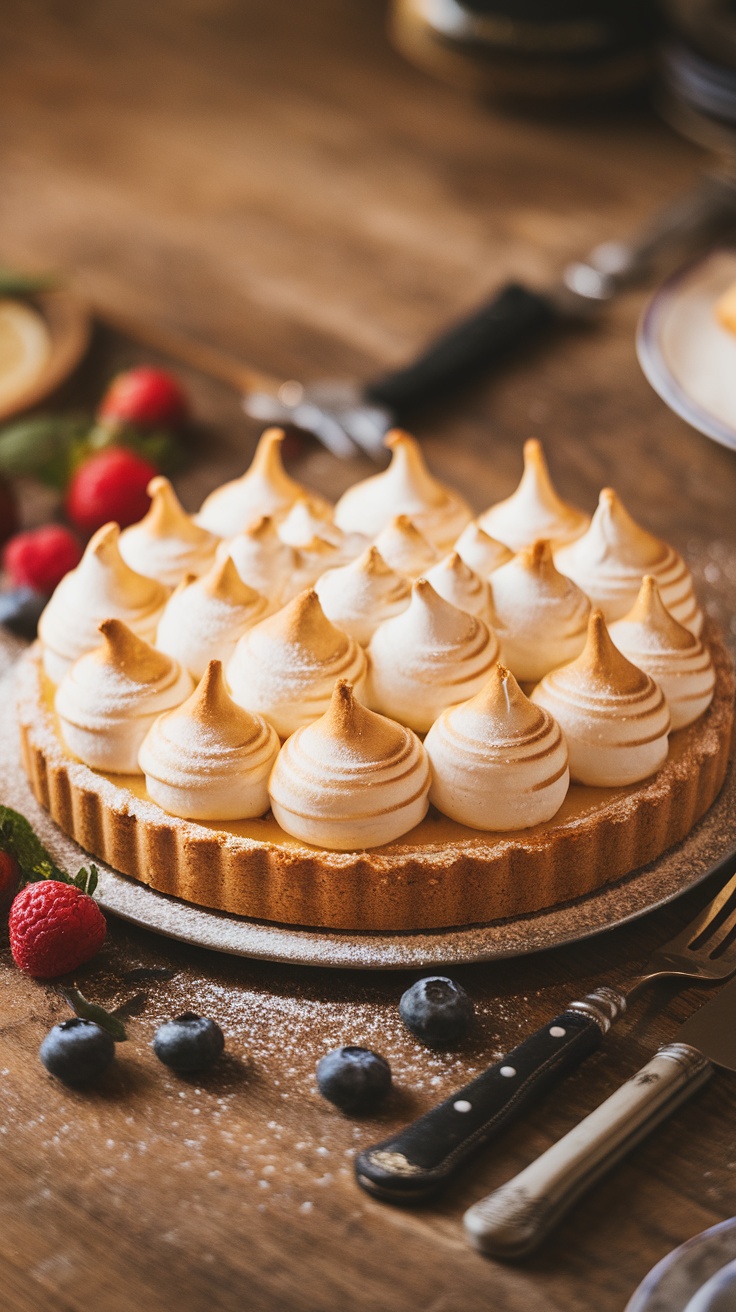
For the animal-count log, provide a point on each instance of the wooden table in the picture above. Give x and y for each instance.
(271, 178)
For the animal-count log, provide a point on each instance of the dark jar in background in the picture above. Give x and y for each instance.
(530, 50)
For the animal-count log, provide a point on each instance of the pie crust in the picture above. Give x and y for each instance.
(440, 875)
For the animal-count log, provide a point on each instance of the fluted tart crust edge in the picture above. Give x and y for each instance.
(463, 878)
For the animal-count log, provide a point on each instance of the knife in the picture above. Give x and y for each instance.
(512, 1221)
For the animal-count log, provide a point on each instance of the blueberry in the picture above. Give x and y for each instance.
(188, 1043)
(77, 1051)
(354, 1079)
(436, 1010)
(20, 609)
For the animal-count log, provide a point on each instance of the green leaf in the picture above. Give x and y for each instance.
(92, 1011)
(19, 838)
(13, 283)
(41, 446)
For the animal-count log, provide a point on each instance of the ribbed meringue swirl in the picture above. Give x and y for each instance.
(609, 562)
(352, 779)
(204, 617)
(312, 560)
(110, 697)
(360, 596)
(167, 544)
(286, 666)
(262, 560)
(534, 510)
(541, 617)
(498, 761)
(209, 759)
(614, 716)
(482, 553)
(652, 638)
(264, 489)
(405, 488)
(101, 587)
(405, 548)
(427, 658)
(306, 521)
(452, 579)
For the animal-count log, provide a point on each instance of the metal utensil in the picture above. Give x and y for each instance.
(421, 1158)
(346, 416)
(513, 1220)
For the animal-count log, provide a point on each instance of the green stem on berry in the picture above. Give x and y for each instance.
(92, 1011)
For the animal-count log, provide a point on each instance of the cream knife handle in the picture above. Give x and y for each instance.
(513, 1220)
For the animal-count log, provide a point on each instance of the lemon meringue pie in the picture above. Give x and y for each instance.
(405, 488)
(430, 656)
(351, 778)
(610, 561)
(108, 700)
(167, 543)
(204, 618)
(264, 489)
(498, 761)
(101, 587)
(541, 617)
(286, 666)
(360, 596)
(534, 510)
(209, 759)
(614, 716)
(654, 641)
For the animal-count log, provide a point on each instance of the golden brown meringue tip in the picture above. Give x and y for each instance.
(166, 517)
(104, 544)
(303, 621)
(223, 582)
(625, 528)
(137, 659)
(210, 703)
(649, 609)
(602, 662)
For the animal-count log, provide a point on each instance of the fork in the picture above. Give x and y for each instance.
(421, 1158)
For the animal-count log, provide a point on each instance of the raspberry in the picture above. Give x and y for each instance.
(9, 876)
(110, 485)
(148, 397)
(54, 928)
(40, 557)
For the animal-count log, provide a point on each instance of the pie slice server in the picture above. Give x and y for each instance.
(513, 1220)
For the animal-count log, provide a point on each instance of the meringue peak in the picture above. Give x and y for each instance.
(369, 736)
(613, 530)
(535, 509)
(212, 707)
(480, 551)
(167, 518)
(122, 581)
(124, 650)
(303, 624)
(601, 663)
(435, 619)
(264, 488)
(409, 473)
(650, 610)
(223, 583)
(509, 711)
(404, 547)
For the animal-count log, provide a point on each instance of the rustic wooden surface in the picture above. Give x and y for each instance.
(272, 178)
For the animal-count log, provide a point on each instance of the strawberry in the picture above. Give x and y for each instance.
(8, 511)
(9, 877)
(54, 928)
(40, 557)
(146, 397)
(109, 485)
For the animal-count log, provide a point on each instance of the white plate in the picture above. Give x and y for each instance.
(677, 1278)
(687, 356)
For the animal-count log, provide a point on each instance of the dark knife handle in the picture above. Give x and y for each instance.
(513, 316)
(421, 1158)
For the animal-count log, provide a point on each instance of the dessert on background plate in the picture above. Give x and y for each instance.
(520, 797)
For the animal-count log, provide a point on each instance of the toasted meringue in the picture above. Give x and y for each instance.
(286, 666)
(204, 618)
(610, 561)
(262, 560)
(541, 617)
(102, 586)
(312, 561)
(264, 489)
(652, 638)
(452, 579)
(534, 510)
(498, 761)
(482, 553)
(405, 548)
(352, 779)
(108, 700)
(427, 658)
(405, 488)
(614, 716)
(167, 544)
(306, 521)
(209, 759)
(360, 596)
